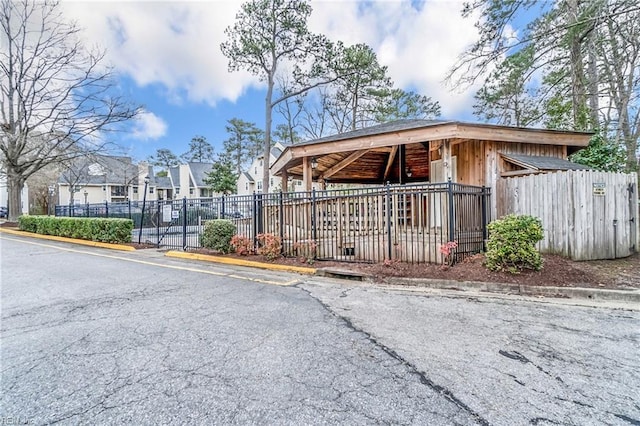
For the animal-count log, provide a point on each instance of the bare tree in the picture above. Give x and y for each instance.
(57, 96)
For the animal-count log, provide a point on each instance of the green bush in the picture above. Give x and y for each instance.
(217, 235)
(84, 228)
(511, 245)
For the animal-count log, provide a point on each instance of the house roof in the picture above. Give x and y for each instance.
(162, 182)
(174, 174)
(372, 154)
(248, 176)
(536, 162)
(199, 172)
(101, 170)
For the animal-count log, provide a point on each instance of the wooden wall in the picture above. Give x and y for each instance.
(585, 214)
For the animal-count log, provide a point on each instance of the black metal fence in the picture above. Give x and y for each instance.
(407, 223)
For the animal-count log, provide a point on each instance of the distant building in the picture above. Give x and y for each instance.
(250, 181)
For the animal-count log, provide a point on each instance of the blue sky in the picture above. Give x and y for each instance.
(167, 58)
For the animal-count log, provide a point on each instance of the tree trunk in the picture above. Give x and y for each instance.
(267, 135)
(578, 92)
(14, 202)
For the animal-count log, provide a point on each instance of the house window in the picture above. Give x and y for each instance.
(271, 182)
(151, 190)
(259, 185)
(298, 182)
(135, 189)
(190, 191)
(118, 191)
(260, 163)
(255, 170)
(246, 186)
(177, 190)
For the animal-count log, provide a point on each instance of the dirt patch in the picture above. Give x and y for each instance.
(557, 271)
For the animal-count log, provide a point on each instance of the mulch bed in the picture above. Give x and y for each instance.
(557, 271)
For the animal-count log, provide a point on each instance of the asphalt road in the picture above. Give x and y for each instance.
(91, 336)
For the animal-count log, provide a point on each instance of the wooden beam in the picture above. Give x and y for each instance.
(307, 173)
(447, 172)
(344, 163)
(285, 181)
(392, 156)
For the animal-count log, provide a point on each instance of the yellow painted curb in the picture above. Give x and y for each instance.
(121, 247)
(240, 262)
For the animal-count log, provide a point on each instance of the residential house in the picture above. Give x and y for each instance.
(104, 178)
(188, 180)
(250, 181)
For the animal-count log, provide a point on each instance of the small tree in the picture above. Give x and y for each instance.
(222, 178)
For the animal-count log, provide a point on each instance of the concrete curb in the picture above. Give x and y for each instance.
(567, 292)
(120, 247)
(241, 262)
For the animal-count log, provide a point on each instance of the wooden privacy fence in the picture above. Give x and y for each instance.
(586, 215)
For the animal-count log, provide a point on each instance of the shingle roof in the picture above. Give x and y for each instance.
(199, 172)
(101, 170)
(174, 173)
(163, 182)
(248, 176)
(538, 162)
(392, 126)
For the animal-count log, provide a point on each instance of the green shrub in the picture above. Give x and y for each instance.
(84, 228)
(511, 244)
(217, 235)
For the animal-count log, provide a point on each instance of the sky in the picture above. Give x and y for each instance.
(167, 58)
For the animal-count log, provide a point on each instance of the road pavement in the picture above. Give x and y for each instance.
(101, 337)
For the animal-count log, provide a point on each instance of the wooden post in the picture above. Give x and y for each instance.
(285, 181)
(307, 173)
(447, 172)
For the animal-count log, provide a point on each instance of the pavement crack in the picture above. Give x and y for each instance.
(395, 355)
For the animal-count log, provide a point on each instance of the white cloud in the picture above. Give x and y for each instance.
(419, 45)
(177, 44)
(148, 126)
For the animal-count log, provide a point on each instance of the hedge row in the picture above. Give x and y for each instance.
(84, 228)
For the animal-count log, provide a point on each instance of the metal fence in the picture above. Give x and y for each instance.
(407, 223)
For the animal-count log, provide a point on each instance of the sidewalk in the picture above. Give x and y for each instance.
(595, 294)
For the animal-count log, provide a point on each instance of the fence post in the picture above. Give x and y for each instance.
(314, 231)
(129, 203)
(184, 224)
(158, 218)
(254, 216)
(106, 209)
(222, 208)
(484, 217)
(87, 208)
(388, 202)
(281, 221)
(259, 215)
(452, 229)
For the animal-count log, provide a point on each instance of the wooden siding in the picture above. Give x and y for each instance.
(585, 214)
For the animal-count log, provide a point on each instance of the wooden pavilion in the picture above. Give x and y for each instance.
(412, 151)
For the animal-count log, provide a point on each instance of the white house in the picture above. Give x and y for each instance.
(250, 181)
(187, 180)
(105, 178)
